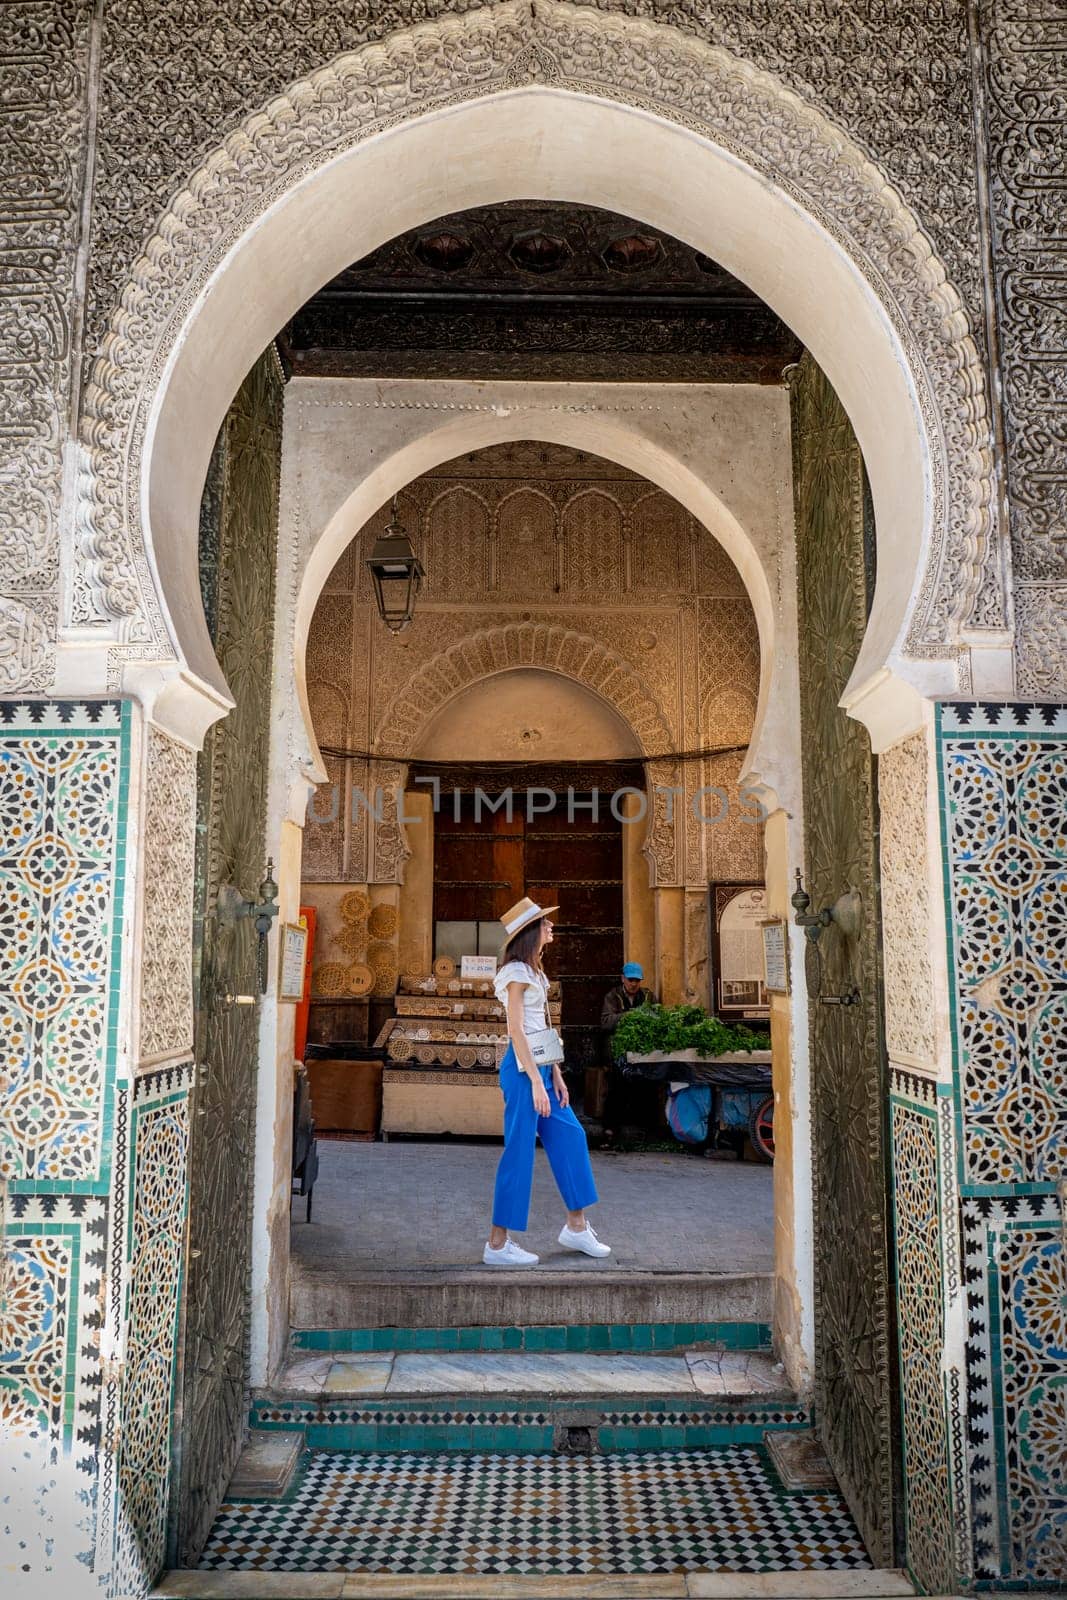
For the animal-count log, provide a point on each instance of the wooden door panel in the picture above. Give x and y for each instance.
(573, 858)
(855, 1359)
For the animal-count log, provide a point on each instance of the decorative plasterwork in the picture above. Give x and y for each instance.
(540, 644)
(170, 847)
(46, 52)
(1020, 67)
(444, 63)
(909, 995)
(523, 644)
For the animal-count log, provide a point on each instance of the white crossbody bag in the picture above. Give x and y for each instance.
(546, 1047)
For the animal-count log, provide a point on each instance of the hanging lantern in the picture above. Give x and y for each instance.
(397, 573)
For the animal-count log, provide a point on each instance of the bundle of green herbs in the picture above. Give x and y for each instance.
(670, 1028)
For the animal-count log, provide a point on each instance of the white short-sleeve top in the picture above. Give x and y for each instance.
(534, 995)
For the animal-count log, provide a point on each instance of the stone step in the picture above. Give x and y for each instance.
(871, 1585)
(716, 1371)
(473, 1297)
(575, 1402)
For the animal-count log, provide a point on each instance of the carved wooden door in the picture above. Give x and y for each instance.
(855, 1363)
(238, 538)
(570, 856)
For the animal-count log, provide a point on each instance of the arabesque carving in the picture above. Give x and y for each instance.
(551, 645)
(170, 850)
(722, 98)
(42, 172)
(906, 911)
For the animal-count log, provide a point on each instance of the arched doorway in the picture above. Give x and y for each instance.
(911, 395)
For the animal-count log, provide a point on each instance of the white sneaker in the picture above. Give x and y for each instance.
(509, 1254)
(586, 1241)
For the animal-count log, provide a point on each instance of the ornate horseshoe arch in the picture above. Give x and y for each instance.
(549, 647)
(122, 589)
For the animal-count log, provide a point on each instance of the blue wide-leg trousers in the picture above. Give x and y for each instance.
(564, 1142)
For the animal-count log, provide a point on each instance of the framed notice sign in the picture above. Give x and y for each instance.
(477, 966)
(738, 911)
(292, 960)
(775, 958)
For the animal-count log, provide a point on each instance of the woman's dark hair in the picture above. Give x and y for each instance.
(522, 946)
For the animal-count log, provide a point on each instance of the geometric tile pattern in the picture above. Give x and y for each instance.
(50, 1316)
(62, 790)
(921, 1335)
(159, 1142)
(682, 1511)
(1003, 772)
(1016, 1274)
(498, 1423)
(1004, 776)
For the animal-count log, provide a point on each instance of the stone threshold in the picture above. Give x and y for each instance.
(481, 1297)
(719, 1372)
(876, 1585)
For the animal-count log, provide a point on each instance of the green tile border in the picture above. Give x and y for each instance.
(587, 1337)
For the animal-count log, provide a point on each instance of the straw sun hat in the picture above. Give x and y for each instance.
(522, 913)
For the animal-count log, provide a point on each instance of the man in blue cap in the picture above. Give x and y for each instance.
(627, 994)
(624, 997)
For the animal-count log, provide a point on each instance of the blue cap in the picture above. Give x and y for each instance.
(632, 969)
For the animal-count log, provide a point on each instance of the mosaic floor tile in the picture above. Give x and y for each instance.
(683, 1511)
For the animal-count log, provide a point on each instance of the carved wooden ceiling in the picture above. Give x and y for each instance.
(535, 290)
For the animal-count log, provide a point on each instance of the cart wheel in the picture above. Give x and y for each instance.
(761, 1129)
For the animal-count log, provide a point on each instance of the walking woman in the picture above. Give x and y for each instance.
(536, 1101)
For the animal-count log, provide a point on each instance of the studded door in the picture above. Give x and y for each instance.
(238, 541)
(855, 1368)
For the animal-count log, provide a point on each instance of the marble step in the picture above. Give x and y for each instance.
(347, 1375)
(478, 1297)
(828, 1585)
(573, 1402)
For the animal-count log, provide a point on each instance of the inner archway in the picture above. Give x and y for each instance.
(567, 587)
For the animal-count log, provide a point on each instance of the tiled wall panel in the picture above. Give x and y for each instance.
(157, 1207)
(921, 1330)
(1003, 773)
(63, 774)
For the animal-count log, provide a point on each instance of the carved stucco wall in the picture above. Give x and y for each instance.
(124, 115)
(542, 556)
(906, 908)
(752, 115)
(166, 1013)
(43, 153)
(1024, 59)
(895, 76)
